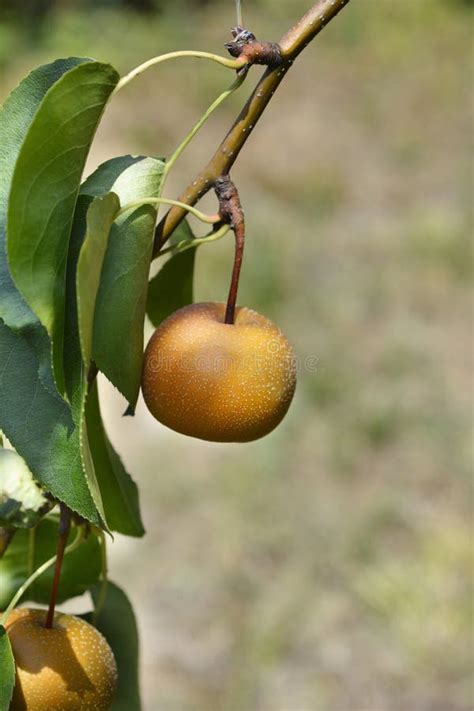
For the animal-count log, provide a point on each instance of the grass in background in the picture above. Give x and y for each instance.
(327, 566)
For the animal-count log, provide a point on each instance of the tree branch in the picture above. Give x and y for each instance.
(291, 44)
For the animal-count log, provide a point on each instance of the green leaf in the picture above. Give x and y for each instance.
(37, 421)
(16, 116)
(40, 425)
(172, 287)
(119, 491)
(93, 219)
(7, 665)
(116, 621)
(100, 217)
(30, 548)
(44, 190)
(22, 502)
(127, 175)
(76, 371)
(121, 301)
(114, 176)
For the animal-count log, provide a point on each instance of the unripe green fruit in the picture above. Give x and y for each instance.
(69, 667)
(216, 381)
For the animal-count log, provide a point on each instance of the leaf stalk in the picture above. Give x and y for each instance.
(208, 219)
(224, 61)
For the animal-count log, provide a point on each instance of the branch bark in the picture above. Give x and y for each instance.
(291, 45)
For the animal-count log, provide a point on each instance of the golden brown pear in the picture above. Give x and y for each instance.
(216, 381)
(69, 667)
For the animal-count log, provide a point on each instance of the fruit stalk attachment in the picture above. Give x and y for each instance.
(63, 535)
(231, 212)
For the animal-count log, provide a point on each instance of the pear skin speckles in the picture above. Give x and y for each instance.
(215, 381)
(69, 667)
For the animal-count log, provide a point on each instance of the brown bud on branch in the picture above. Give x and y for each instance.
(246, 45)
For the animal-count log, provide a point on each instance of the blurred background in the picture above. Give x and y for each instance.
(327, 567)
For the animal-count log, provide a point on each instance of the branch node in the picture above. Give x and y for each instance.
(246, 46)
(230, 208)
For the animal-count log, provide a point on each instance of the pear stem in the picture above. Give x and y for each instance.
(63, 534)
(38, 572)
(239, 231)
(231, 212)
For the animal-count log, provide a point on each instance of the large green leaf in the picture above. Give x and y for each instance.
(94, 213)
(172, 287)
(16, 115)
(76, 371)
(35, 418)
(121, 301)
(81, 568)
(100, 216)
(116, 621)
(7, 665)
(133, 178)
(44, 189)
(112, 486)
(40, 426)
(119, 491)
(92, 221)
(113, 176)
